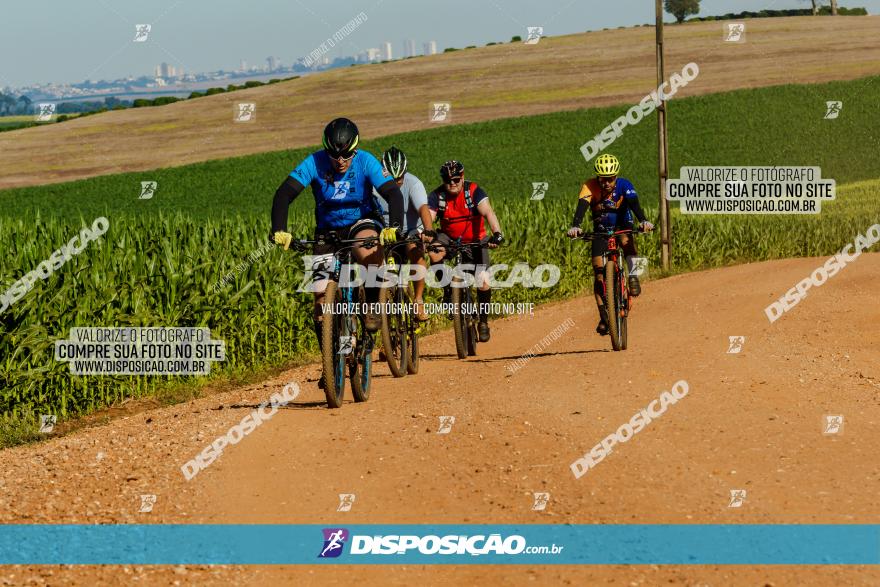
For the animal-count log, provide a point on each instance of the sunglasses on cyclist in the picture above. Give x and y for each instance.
(341, 157)
(453, 181)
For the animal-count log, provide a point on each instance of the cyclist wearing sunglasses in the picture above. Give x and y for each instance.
(462, 207)
(612, 201)
(342, 178)
(415, 217)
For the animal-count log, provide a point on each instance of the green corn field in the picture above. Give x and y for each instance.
(161, 259)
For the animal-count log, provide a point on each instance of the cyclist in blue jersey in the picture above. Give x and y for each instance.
(342, 178)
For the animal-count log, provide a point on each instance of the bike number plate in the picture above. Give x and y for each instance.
(612, 244)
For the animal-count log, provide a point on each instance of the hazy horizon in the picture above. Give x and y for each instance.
(95, 41)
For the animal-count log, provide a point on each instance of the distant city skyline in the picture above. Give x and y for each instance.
(97, 40)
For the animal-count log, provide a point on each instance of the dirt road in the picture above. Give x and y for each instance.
(559, 73)
(751, 420)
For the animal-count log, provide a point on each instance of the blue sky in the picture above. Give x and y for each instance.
(60, 41)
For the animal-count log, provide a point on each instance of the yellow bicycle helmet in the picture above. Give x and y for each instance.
(607, 165)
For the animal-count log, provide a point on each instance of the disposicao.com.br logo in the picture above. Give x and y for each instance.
(431, 544)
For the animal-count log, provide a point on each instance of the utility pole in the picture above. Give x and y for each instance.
(663, 150)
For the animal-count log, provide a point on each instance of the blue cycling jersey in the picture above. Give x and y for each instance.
(341, 199)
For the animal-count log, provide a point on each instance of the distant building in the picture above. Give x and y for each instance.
(369, 55)
(164, 70)
(430, 48)
(242, 66)
(386, 51)
(409, 48)
(273, 63)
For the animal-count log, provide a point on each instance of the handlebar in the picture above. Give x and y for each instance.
(589, 236)
(456, 246)
(369, 242)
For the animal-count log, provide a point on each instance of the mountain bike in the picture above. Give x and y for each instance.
(346, 344)
(400, 329)
(615, 294)
(464, 300)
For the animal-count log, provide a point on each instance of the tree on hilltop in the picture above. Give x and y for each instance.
(680, 9)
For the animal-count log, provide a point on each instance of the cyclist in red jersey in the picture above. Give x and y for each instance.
(463, 208)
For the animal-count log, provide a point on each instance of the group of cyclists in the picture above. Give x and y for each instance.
(356, 196)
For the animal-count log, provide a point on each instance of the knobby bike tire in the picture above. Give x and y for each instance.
(459, 323)
(332, 327)
(393, 331)
(361, 362)
(412, 328)
(612, 303)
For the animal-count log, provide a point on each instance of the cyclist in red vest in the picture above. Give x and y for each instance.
(462, 207)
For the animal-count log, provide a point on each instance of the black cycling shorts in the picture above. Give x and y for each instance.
(599, 246)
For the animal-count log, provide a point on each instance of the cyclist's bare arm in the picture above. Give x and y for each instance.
(427, 215)
(485, 208)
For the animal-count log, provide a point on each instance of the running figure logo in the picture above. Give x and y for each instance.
(45, 112)
(736, 344)
(833, 424)
(833, 109)
(245, 112)
(346, 500)
(639, 266)
(334, 540)
(341, 190)
(541, 500)
(534, 35)
(47, 423)
(141, 32)
(148, 189)
(539, 189)
(346, 345)
(737, 497)
(446, 423)
(735, 32)
(440, 112)
(147, 503)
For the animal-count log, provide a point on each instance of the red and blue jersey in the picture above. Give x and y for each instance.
(612, 210)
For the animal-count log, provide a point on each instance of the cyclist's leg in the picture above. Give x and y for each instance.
(628, 243)
(437, 258)
(416, 254)
(322, 264)
(598, 249)
(369, 257)
(480, 258)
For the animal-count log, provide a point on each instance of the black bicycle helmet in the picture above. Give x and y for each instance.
(394, 162)
(340, 137)
(451, 169)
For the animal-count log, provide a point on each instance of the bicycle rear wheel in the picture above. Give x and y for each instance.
(333, 328)
(459, 322)
(472, 318)
(412, 343)
(394, 329)
(612, 303)
(624, 304)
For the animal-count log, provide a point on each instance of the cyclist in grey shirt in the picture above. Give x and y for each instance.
(416, 217)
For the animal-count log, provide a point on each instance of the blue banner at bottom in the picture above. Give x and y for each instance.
(525, 544)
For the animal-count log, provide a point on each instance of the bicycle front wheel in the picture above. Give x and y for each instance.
(334, 341)
(394, 332)
(459, 322)
(612, 302)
